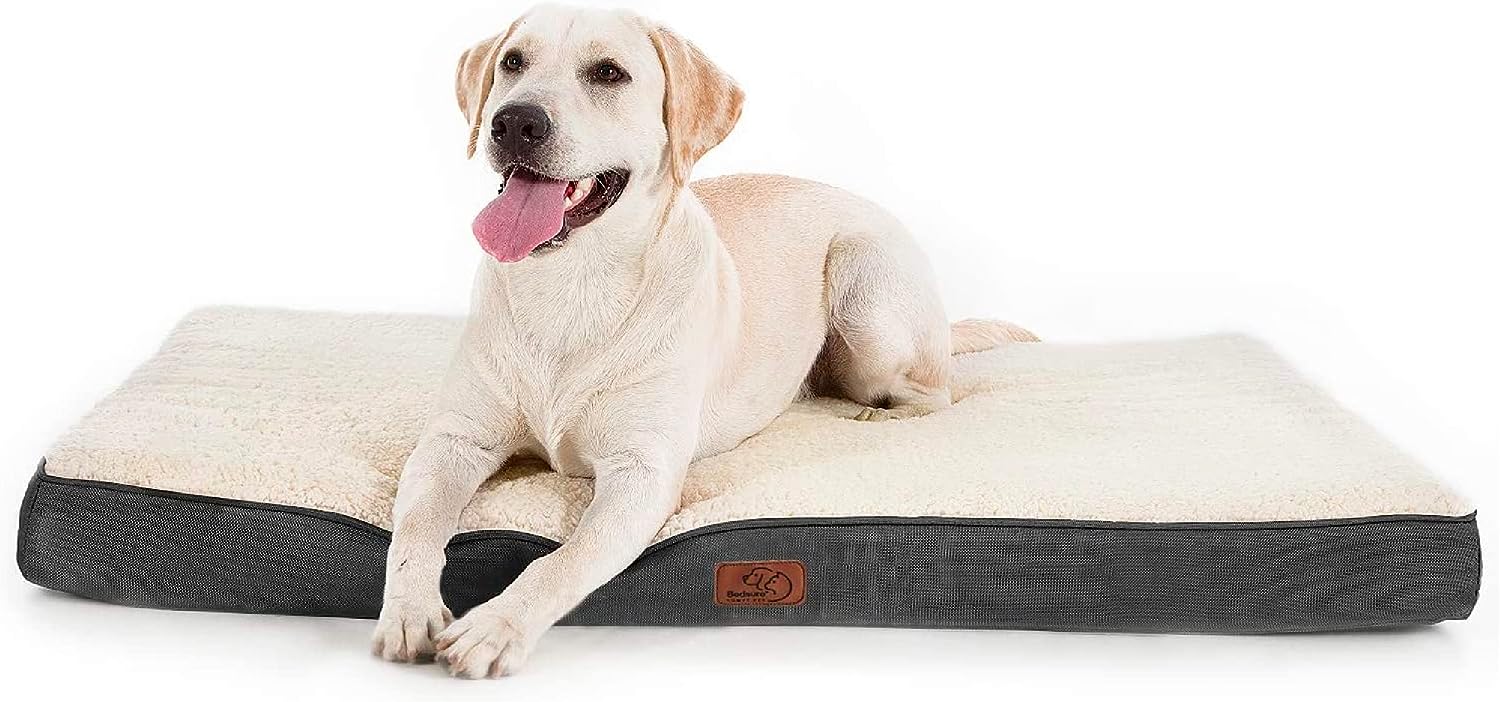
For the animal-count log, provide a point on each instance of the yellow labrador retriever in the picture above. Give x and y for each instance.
(626, 322)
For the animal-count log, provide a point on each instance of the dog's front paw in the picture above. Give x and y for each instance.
(483, 644)
(406, 631)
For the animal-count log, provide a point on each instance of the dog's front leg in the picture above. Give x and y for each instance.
(439, 479)
(475, 428)
(634, 493)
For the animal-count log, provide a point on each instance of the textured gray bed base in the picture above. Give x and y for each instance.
(151, 548)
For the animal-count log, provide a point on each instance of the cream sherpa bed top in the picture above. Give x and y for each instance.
(320, 410)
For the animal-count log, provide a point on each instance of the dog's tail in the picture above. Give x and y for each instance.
(970, 335)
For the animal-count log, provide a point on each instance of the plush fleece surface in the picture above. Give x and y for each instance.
(320, 410)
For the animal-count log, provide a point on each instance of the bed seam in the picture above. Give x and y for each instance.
(42, 476)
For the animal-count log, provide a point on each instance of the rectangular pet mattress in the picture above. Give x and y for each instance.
(1196, 485)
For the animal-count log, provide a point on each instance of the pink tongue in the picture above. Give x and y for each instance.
(527, 213)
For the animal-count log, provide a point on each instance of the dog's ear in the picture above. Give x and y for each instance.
(701, 105)
(476, 74)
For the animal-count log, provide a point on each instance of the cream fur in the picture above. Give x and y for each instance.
(670, 328)
(320, 410)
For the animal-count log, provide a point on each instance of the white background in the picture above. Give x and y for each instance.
(1325, 175)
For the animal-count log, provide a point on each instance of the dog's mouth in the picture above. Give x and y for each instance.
(535, 213)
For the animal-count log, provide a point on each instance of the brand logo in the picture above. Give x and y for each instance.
(760, 583)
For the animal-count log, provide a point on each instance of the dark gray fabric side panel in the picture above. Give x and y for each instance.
(148, 548)
(145, 550)
(1241, 580)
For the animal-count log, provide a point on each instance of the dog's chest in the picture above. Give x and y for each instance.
(554, 406)
(570, 399)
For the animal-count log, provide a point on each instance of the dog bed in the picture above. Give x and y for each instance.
(1194, 485)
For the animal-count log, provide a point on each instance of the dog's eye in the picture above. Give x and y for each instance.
(607, 72)
(512, 61)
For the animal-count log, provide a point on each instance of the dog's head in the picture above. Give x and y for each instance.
(588, 116)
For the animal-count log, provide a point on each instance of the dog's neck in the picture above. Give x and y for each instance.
(581, 295)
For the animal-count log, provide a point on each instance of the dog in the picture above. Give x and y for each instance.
(627, 322)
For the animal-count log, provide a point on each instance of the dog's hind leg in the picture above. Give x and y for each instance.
(888, 343)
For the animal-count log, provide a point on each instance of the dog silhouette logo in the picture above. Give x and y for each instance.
(774, 583)
(760, 583)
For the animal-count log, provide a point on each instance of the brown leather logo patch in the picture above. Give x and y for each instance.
(760, 583)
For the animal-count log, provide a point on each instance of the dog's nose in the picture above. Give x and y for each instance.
(520, 127)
